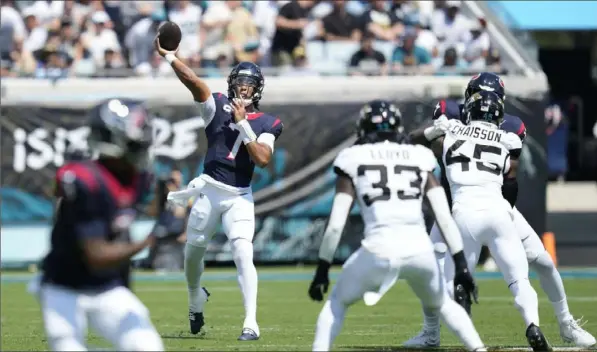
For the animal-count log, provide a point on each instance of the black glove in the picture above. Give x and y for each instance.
(321, 281)
(464, 279)
(510, 190)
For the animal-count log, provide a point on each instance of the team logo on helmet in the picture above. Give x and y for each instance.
(476, 76)
(501, 82)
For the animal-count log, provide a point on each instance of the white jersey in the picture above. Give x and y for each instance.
(476, 157)
(389, 179)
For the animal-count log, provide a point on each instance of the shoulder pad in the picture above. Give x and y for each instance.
(427, 161)
(511, 141)
(75, 178)
(514, 125)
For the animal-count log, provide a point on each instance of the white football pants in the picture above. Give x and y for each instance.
(232, 208)
(531, 242)
(366, 272)
(117, 315)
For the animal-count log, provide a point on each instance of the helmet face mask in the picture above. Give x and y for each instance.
(246, 82)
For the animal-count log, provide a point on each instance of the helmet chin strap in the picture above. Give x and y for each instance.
(247, 102)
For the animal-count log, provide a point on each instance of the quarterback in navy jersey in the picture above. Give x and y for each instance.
(239, 137)
(86, 273)
(538, 258)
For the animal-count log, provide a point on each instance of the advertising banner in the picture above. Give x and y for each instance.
(293, 194)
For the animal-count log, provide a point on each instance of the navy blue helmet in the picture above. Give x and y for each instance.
(379, 116)
(246, 82)
(484, 106)
(121, 128)
(485, 81)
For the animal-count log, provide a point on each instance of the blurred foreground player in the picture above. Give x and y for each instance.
(538, 258)
(86, 274)
(389, 178)
(239, 137)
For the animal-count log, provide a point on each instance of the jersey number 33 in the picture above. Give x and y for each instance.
(406, 182)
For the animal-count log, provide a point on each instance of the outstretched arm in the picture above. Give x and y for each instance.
(197, 87)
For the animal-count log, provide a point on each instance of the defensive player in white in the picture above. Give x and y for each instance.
(538, 258)
(389, 179)
(476, 157)
(239, 137)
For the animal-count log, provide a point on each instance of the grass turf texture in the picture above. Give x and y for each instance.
(287, 316)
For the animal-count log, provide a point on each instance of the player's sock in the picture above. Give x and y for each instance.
(242, 252)
(193, 268)
(431, 321)
(329, 324)
(552, 285)
(525, 300)
(461, 325)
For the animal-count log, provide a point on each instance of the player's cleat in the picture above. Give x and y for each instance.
(426, 338)
(196, 319)
(248, 335)
(572, 332)
(463, 298)
(536, 339)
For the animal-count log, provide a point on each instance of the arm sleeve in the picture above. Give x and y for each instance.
(343, 164)
(510, 190)
(207, 109)
(333, 232)
(267, 139)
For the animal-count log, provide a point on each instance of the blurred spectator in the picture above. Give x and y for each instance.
(403, 10)
(241, 33)
(12, 34)
(100, 38)
(82, 62)
(264, 15)
(477, 48)
(450, 26)
(52, 64)
(48, 13)
(216, 19)
(493, 61)
(300, 65)
(368, 60)
(221, 69)
(452, 63)
(382, 23)
(340, 25)
(425, 37)
(188, 17)
(36, 34)
(290, 22)
(407, 54)
(139, 42)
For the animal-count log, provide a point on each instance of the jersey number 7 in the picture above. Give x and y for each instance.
(464, 160)
(407, 193)
(236, 146)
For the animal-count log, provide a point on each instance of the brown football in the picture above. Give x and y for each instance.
(170, 35)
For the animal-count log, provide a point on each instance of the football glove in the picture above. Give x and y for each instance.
(464, 278)
(321, 281)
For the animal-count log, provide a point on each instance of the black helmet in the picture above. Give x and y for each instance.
(484, 106)
(246, 74)
(379, 116)
(121, 128)
(485, 81)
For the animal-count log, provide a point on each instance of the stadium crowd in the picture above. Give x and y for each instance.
(55, 39)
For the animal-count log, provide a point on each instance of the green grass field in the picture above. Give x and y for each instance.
(287, 316)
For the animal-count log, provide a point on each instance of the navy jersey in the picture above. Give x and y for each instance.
(92, 203)
(453, 110)
(227, 159)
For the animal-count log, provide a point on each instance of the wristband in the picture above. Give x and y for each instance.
(247, 131)
(170, 58)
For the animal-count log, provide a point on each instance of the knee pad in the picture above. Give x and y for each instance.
(542, 262)
(197, 238)
(242, 251)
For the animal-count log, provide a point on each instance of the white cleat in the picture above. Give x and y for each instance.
(426, 338)
(572, 332)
